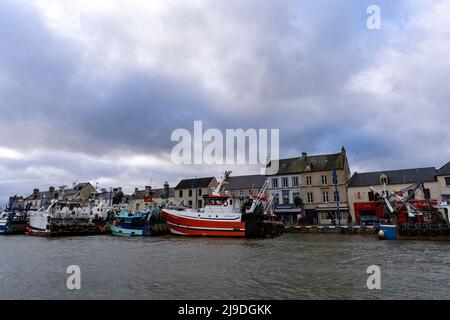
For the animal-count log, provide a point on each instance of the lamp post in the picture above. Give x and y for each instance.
(194, 187)
(335, 182)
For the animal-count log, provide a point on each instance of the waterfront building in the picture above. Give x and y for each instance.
(114, 196)
(443, 177)
(40, 199)
(306, 190)
(191, 191)
(362, 199)
(240, 188)
(164, 195)
(141, 199)
(78, 194)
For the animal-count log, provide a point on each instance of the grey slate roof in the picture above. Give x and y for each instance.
(194, 183)
(139, 194)
(159, 193)
(42, 195)
(245, 182)
(325, 162)
(108, 194)
(404, 176)
(156, 193)
(445, 170)
(81, 185)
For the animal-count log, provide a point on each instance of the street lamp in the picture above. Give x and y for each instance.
(336, 195)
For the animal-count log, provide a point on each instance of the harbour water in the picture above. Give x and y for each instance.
(293, 266)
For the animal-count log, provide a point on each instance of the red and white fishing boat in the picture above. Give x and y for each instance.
(220, 217)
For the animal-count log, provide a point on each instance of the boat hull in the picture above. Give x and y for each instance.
(187, 226)
(13, 228)
(119, 231)
(72, 231)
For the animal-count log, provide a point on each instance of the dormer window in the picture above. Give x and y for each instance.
(384, 179)
(308, 167)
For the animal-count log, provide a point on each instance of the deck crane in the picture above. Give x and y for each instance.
(269, 205)
(259, 197)
(391, 199)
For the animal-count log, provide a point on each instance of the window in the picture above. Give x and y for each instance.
(215, 201)
(371, 196)
(310, 197)
(181, 193)
(286, 198)
(200, 192)
(336, 196)
(199, 204)
(190, 203)
(309, 181)
(412, 194)
(297, 199)
(295, 181)
(324, 180)
(275, 183)
(137, 206)
(284, 182)
(427, 193)
(190, 192)
(325, 197)
(447, 181)
(250, 193)
(241, 193)
(384, 179)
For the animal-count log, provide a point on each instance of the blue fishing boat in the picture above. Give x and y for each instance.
(138, 223)
(13, 220)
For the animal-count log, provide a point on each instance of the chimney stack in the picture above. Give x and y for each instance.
(304, 155)
(35, 191)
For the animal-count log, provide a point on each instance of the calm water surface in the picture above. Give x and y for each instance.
(293, 266)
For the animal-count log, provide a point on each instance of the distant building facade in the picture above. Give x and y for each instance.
(40, 199)
(443, 178)
(141, 199)
(243, 187)
(191, 191)
(362, 199)
(114, 196)
(164, 195)
(78, 195)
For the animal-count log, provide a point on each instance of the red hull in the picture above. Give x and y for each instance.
(202, 227)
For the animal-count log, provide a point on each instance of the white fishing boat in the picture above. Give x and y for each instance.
(61, 219)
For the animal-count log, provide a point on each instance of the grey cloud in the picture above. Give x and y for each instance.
(248, 64)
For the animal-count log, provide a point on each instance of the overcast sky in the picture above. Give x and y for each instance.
(91, 90)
